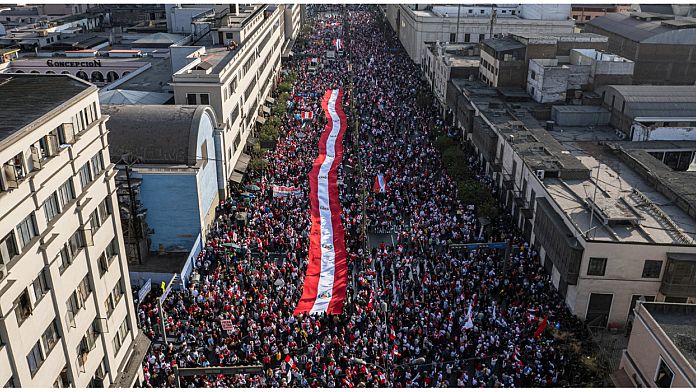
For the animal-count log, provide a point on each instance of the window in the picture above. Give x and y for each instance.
(50, 337)
(74, 304)
(94, 222)
(103, 264)
(596, 266)
(482, 37)
(482, 12)
(120, 336)
(40, 286)
(23, 307)
(111, 249)
(191, 99)
(14, 172)
(8, 248)
(652, 268)
(587, 17)
(205, 99)
(234, 114)
(26, 230)
(83, 289)
(97, 164)
(109, 305)
(65, 193)
(85, 175)
(453, 37)
(104, 209)
(467, 36)
(50, 207)
(664, 376)
(232, 85)
(35, 358)
(118, 292)
(471, 11)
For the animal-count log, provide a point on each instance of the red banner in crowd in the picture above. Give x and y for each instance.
(327, 272)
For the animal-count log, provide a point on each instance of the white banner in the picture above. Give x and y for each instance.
(285, 191)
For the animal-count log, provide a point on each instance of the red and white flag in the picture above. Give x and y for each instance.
(338, 43)
(307, 115)
(324, 288)
(380, 183)
(542, 327)
(289, 361)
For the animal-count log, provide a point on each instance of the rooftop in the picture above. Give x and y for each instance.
(26, 98)
(657, 101)
(170, 138)
(678, 321)
(577, 160)
(153, 79)
(639, 29)
(503, 44)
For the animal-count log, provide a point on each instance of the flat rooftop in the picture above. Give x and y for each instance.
(626, 207)
(25, 98)
(153, 79)
(678, 321)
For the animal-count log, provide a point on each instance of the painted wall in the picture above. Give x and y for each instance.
(207, 177)
(642, 133)
(172, 209)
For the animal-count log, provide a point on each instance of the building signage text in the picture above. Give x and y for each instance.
(92, 63)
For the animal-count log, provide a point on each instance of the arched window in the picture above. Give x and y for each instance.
(65, 73)
(82, 75)
(50, 73)
(97, 77)
(111, 76)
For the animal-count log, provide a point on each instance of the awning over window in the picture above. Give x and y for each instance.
(266, 109)
(261, 120)
(270, 100)
(242, 163)
(251, 141)
(236, 177)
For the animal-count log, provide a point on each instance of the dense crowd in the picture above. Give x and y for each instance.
(419, 312)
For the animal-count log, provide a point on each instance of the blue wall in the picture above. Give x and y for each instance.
(207, 178)
(172, 209)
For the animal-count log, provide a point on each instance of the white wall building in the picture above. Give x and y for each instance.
(66, 310)
(418, 23)
(235, 81)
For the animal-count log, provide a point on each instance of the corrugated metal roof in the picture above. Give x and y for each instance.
(628, 27)
(658, 101)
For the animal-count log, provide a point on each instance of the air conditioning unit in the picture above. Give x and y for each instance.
(539, 174)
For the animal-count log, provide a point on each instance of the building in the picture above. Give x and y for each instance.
(505, 60)
(660, 45)
(662, 349)
(553, 80)
(67, 314)
(609, 220)
(443, 61)
(173, 171)
(583, 13)
(652, 112)
(234, 73)
(415, 24)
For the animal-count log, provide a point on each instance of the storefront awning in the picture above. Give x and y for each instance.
(261, 120)
(270, 100)
(236, 177)
(251, 141)
(242, 163)
(266, 109)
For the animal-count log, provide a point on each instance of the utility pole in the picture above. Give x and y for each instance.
(494, 17)
(459, 14)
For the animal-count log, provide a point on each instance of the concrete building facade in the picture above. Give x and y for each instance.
(67, 314)
(603, 245)
(234, 81)
(441, 62)
(416, 24)
(660, 351)
(662, 46)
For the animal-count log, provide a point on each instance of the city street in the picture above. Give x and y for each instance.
(419, 312)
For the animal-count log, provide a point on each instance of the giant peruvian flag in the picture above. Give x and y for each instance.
(327, 272)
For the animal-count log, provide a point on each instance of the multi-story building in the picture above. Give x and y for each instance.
(611, 221)
(415, 24)
(583, 13)
(660, 45)
(66, 309)
(660, 351)
(234, 74)
(441, 62)
(505, 60)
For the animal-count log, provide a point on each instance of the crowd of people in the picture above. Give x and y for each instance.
(419, 312)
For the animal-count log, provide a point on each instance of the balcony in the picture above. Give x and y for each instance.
(679, 279)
